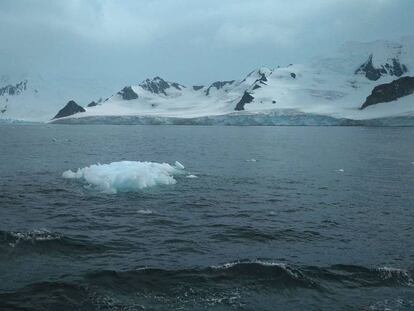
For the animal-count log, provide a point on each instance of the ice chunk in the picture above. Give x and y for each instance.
(191, 176)
(126, 176)
(145, 211)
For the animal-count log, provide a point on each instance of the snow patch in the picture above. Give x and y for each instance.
(126, 176)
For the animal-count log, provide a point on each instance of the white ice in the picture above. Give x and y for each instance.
(126, 176)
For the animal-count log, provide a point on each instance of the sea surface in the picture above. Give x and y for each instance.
(278, 218)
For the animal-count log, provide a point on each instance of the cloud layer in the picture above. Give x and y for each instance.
(190, 41)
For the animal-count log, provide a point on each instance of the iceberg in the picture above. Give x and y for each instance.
(126, 176)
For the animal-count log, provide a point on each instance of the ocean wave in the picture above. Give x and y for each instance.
(42, 240)
(228, 285)
(37, 235)
(248, 233)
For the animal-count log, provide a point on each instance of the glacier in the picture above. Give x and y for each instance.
(275, 118)
(126, 176)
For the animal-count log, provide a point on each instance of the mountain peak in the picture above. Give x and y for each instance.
(71, 108)
(13, 89)
(158, 85)
(128, 93)
(218, 85)
(391, 67)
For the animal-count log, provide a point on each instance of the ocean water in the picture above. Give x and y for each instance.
(273, 218)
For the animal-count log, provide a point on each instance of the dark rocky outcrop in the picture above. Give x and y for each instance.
(263, 77)
(293, 75)
(261, 80)
(93, 104)
(394, 69)
(177, 86)
(256, 86)
(197, 87)
(218, 85)
(390, 91)
(13, 89)
(128, 93)
(246, 99)
(71, 108)
(155, 86)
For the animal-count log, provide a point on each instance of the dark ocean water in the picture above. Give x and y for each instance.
(279, 218)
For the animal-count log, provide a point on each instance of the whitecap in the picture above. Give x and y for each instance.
(387, 273)
(251, 160)
(145, 211)
(33, 236)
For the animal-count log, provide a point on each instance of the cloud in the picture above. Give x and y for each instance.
(186, 40)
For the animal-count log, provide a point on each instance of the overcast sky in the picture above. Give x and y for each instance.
(188, 41)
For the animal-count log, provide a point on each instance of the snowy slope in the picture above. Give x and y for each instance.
(334, 87)
(34, 97)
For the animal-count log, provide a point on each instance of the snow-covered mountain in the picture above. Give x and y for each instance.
(38, 97)
(322, 92)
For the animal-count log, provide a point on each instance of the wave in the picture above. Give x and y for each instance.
(42, 240)
(229, 285)
(241, 234)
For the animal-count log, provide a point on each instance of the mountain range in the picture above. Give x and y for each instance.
(361, 83)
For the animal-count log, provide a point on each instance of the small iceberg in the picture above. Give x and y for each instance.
(126, 176)
(145, 211)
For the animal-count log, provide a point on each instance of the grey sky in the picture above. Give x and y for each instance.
(188, 41)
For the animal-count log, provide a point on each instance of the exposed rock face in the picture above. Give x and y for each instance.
(394, 69)
(390, 91)
(128, 93)
(159, 85)
(197, 87)
(177, 86)
(13, 89)
(263, 77)
(218, 85)
(293, 75)
(93, 104)
(246, 99)
(70, 109)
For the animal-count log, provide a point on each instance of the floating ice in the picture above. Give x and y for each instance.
(341, 170)
(145, 211)
(251, 160)
(126, 176)
(191, 176)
